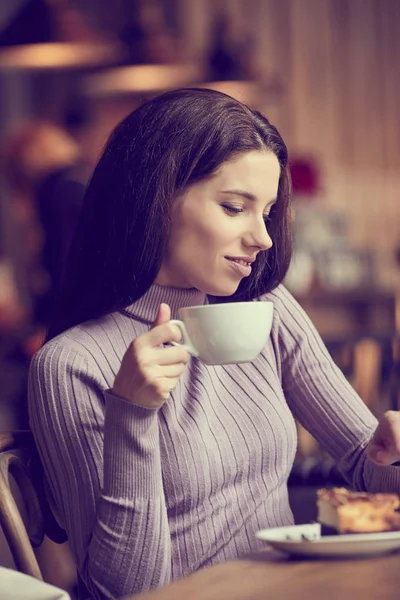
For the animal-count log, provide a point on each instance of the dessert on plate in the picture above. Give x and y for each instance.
(345, 511)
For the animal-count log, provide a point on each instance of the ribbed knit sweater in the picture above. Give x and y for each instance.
(150, 495)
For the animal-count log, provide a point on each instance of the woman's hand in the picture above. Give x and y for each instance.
(149, 372)
(384, 448)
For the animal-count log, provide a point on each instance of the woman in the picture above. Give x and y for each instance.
(158, 464)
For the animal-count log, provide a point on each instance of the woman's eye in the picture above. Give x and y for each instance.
(234, 210)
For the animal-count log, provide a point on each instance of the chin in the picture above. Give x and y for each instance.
(217, 290)
(224, 292)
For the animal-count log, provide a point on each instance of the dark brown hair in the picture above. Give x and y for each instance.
(167, 144)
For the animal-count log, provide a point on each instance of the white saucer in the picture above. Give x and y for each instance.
(306, 540)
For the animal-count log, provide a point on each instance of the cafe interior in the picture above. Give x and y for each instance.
(325, 72)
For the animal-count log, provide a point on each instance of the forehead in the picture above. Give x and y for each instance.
(253, 170)
(256, 173)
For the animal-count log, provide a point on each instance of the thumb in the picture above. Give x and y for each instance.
(163, 315)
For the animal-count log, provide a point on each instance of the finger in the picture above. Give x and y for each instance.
(162, 334)
(171, 355)
(163, 315)
(384, 448)
(380, 455)
(167, 385)
(172, 372)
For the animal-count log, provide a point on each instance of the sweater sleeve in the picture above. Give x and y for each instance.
(101, 456)
(323, 401)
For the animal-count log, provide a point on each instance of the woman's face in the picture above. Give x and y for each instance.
(220, 225)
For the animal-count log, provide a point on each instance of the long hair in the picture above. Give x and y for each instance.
(168, 143)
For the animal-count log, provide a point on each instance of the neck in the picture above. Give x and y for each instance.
(146, 308)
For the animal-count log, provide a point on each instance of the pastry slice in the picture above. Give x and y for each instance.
(358, 512)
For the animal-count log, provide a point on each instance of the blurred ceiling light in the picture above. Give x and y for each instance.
(244, 91)
(270, 88)
(139, 79)
(59, 55)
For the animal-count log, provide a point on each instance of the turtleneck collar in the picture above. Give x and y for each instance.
(145, 309)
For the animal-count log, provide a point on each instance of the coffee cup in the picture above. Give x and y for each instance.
(221, 334)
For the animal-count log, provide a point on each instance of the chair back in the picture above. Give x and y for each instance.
(20, 463)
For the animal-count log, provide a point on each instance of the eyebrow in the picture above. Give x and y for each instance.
(246, 195)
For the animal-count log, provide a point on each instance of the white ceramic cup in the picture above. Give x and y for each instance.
(221, 334)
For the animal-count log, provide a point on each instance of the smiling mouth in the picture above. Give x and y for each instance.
(240, 261)
(241, 267)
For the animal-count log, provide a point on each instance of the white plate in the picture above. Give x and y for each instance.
(291, 540)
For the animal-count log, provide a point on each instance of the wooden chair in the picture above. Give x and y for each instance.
(21, 537)
(26, 524)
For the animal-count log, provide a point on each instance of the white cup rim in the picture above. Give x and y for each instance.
(227, 304)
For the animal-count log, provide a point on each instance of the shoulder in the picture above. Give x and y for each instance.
(66, 386)
(64, 372)
(96, 346)
(98, 336)
(291, 324)
(74, 342)
(59, 357)
(284, 303)
(74, 348)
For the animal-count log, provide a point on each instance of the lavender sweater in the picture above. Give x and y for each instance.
(150, 495)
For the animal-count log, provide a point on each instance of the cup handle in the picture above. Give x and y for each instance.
(185, 343)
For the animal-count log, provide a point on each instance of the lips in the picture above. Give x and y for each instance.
(240, 261)
(244, 259)
(241, 266)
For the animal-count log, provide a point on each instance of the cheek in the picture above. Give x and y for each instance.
(199, 238)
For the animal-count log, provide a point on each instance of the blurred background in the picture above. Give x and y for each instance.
(324, 71)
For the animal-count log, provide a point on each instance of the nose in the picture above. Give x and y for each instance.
(259, 236)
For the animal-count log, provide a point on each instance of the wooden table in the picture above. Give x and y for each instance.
(272, 576)
(352, 314)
